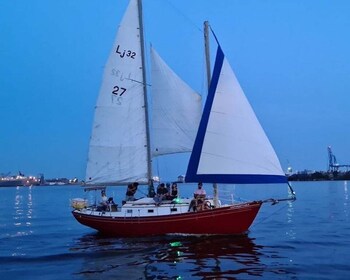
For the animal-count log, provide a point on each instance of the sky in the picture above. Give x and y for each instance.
(291, 57)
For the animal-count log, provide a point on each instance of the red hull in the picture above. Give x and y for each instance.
(234, 219)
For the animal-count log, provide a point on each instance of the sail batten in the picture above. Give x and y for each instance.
(231, 146)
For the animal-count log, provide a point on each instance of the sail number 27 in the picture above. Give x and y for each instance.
(118, 91)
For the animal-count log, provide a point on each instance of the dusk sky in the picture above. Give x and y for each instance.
(292, 58)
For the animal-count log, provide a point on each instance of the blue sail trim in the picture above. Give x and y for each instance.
(192, 168)
(237, 178)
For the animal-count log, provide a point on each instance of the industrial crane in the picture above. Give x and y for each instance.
(333, 165)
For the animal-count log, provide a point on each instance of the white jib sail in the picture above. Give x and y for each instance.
(176, 110)
(118, 146)
(235, 142)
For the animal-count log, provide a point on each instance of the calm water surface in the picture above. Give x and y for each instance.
(307, 239)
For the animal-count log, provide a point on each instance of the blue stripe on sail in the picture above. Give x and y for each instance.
(237, 178)
(198, 144)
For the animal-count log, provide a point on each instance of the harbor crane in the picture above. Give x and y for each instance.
(333, 165)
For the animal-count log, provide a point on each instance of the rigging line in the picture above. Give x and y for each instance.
(185, 16)
(273, 213)
(142, 192)
(138, 82)
(292, 191)
(216, 39)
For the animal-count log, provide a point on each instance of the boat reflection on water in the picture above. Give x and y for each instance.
(207, 257)
(174, 257)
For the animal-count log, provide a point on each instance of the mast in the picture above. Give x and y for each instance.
(149, 163)
(207, 60)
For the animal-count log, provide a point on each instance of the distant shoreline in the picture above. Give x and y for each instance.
(320, 176)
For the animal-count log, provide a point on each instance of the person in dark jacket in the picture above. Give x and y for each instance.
(161, 193)
(130, 191)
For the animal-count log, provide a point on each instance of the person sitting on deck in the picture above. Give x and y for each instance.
(103, 203)
(198, 198)
(161, 193)
(130, 192)
(111, 206)
(173, 192)
(168, 187)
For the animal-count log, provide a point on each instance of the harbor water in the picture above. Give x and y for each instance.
(305, 239)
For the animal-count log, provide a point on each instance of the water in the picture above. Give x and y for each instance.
(307, 239)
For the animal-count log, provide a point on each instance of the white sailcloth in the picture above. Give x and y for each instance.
(231, 146)
(118, 146)
(176, 110)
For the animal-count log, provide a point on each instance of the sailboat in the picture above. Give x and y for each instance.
(121, 149)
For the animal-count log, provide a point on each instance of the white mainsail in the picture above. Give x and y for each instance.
(176, 110)
(118, 152)
(118, 145)
(231, 146)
